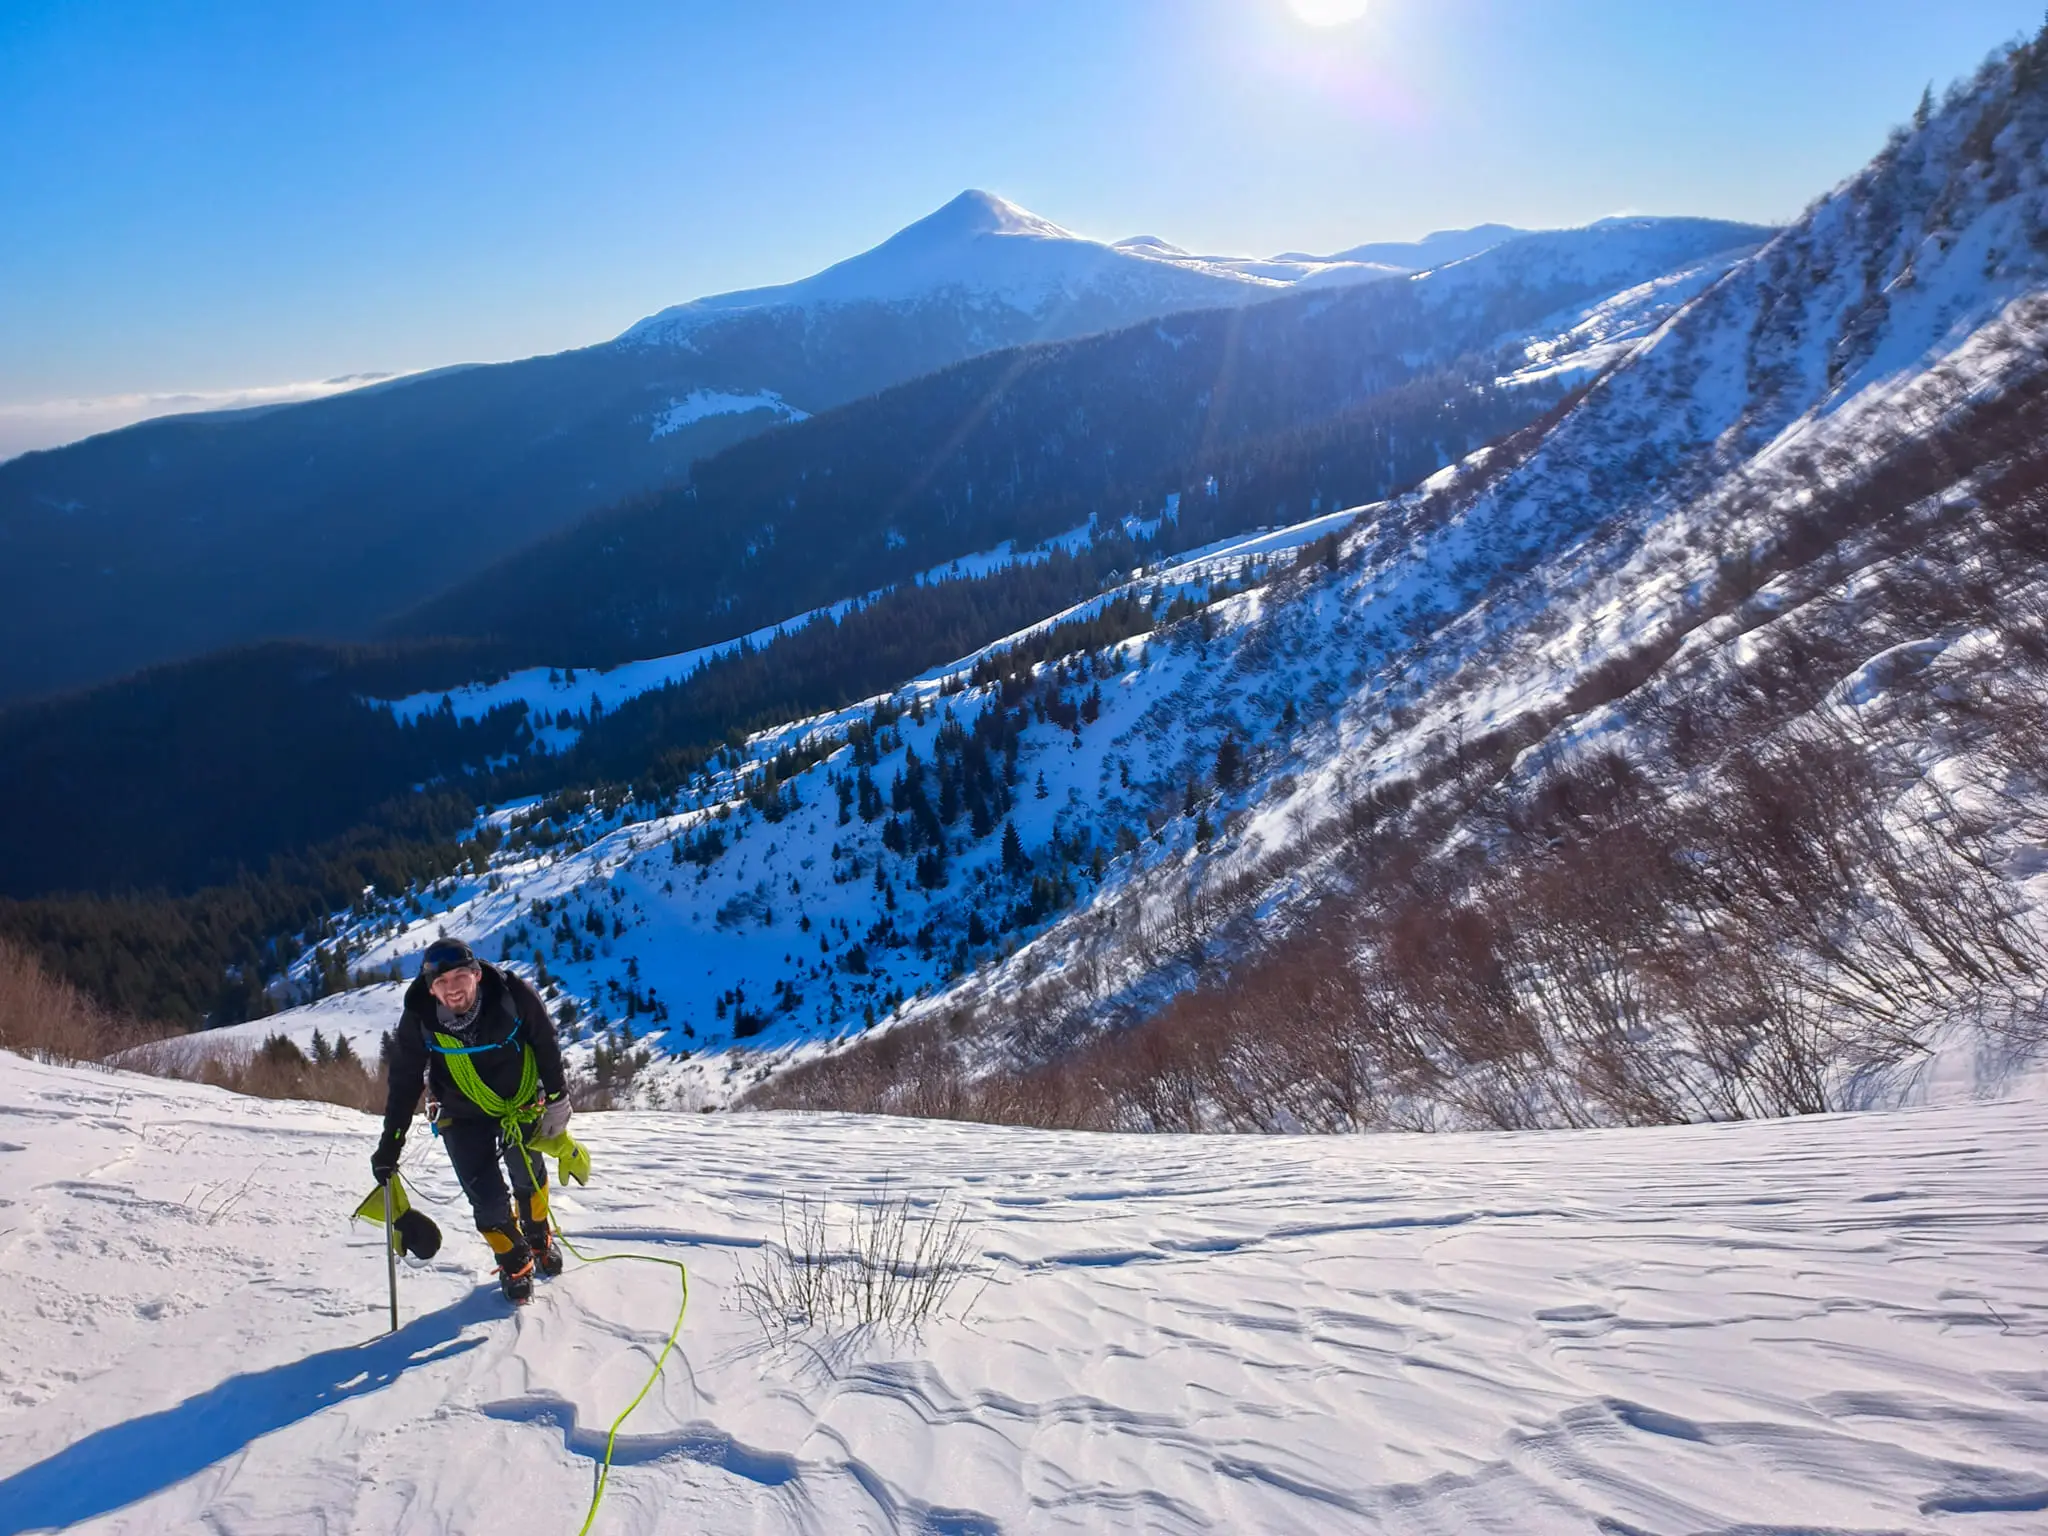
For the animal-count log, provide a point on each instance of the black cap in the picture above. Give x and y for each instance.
(443, 956)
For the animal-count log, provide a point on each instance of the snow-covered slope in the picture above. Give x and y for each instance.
(360, 1016)
(1901, 298)
(730, 919)
(1610, 255)
(1827, 1325)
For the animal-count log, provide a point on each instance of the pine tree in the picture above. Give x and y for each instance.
(279, 1051)
(1229, 760)
(1014, 861)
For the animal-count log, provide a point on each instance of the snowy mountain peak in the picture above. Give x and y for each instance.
(1005, 275)
(990, 255)
(975, 212)
(1000, 265)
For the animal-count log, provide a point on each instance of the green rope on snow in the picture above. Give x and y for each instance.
(516, 1132)
(513, 1116)
(661, 1360)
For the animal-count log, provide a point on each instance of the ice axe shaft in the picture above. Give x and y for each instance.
(390, 1256)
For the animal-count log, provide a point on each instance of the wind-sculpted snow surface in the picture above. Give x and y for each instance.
(1826, 1325)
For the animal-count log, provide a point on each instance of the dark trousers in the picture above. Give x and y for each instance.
(477, 1148)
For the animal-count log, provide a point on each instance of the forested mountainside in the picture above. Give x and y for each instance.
(203, 772)
(1674, 757)
(196, 773)
(319, 520)
(1374, 385)
(1760, 858)
(1680, 762)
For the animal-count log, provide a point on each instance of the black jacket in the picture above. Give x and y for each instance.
(511, 1015)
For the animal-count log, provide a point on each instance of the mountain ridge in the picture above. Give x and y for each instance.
(300, 521)
(1045, 437)
(1003, 256)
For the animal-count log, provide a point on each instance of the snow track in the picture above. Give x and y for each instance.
(1827, 1325)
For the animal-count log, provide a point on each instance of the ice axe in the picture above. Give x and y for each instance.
(391, 1263)
(404, 1227)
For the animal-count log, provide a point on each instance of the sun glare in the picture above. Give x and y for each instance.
(1328, 13)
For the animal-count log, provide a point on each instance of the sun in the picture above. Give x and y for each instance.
(1329, 13)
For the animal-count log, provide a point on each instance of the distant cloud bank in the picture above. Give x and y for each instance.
(53, 423)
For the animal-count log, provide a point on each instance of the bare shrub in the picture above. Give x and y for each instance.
(287, 1074)
(1447, 975)
(889, 1262)
(1760, 906)
(48, 1019)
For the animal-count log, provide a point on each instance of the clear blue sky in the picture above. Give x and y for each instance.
(212, 196)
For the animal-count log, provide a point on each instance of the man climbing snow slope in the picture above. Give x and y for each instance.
(483, 1043)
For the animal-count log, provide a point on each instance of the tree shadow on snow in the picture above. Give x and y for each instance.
(126, 1462)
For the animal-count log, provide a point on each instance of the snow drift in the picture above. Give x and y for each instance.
(1832, 1324)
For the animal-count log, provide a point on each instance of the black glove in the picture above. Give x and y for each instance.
(384, 1161)
(418, 1235)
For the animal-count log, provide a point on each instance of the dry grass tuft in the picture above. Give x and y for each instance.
(889, 1262)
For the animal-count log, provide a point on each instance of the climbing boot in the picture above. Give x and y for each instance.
(515, 1261)
(539, 1232)
(517, 1282)
(547, 1253)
